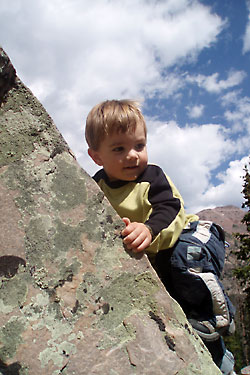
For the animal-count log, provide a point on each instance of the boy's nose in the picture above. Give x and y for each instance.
(132, 154)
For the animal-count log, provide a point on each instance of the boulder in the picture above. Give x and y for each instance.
(72, 299)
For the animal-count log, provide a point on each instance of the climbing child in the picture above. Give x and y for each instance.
(188, 254)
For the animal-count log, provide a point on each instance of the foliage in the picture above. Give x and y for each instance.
(242, 272)
(243, 254)
(235, 345)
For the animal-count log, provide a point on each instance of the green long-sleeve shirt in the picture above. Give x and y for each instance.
(151, 199)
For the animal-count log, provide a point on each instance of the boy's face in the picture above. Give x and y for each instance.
(123, 155)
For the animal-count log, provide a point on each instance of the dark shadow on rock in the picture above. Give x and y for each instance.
(12, 369)
(9, 265)
(8, 75)
(134, 255)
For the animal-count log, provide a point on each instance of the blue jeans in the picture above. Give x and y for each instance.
(200, 251)
(222, 357)
(191, 269)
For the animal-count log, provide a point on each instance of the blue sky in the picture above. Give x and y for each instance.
(187, 61)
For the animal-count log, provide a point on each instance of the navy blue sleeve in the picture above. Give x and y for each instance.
(165, 206)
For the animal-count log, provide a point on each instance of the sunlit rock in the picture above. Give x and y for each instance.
(72, 300)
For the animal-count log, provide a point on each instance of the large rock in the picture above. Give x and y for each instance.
(72, 300)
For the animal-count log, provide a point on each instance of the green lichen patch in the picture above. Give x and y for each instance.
(45, 317)
(38, 241)
(10, 337)
(67, 271)
(47, 242)
(69, 189)
(127, 294)
(67, 237)
(108, 259)
(42, 311)
(13, 292)
(55, 355)
(64, 274)
(88, 289)
(17, 178)
(47, 239)
(120, 335)
(14, 142)
(23, 123)
(100, 229)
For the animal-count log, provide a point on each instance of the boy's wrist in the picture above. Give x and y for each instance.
(151, 231)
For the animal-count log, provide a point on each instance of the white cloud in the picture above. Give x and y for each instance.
(238, 114)
(75, 53)
(196, 111)
(42, 87)
(246, 38)
(189, 155)
(230, 97)
(80, 53)
(242, 110)
(91, 51)
(213, 85)
(229, 191)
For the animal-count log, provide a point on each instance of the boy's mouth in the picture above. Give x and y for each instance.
(131, 167)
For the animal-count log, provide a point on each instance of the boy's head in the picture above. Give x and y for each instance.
(116, 134)
(112, 116)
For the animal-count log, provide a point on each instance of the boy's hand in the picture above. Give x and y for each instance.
(137, 236)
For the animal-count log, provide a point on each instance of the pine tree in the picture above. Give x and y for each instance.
(243, 254)
(242, 272)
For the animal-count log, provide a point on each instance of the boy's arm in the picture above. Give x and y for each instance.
(166, 202)
(167, 218)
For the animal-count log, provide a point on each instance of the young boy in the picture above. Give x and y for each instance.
(188, 254)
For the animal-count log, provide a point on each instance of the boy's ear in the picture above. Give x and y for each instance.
(95, 156)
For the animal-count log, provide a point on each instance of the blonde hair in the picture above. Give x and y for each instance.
(111, 116)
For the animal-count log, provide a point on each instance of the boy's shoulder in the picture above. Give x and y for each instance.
(151, 172)
(99, 175)
(102, 178)
(153, 168)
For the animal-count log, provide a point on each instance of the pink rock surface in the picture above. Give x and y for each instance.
(72, 300)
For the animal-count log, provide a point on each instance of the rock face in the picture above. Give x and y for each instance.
(72, 300)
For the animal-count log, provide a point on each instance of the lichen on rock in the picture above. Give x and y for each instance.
(72, 300)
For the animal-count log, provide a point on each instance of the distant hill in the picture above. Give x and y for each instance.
(228, 217)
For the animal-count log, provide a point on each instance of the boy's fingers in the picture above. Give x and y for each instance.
(126, 221)
(129, 238)
(128, 228)
(125, 232)
(132, 234)
(143, 245)
(134, 240)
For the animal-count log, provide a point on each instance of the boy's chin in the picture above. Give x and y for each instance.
(127, 175)
(131, 177)
(123, 178)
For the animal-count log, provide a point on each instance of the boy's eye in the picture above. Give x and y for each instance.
(118, 149)
(140, 146)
